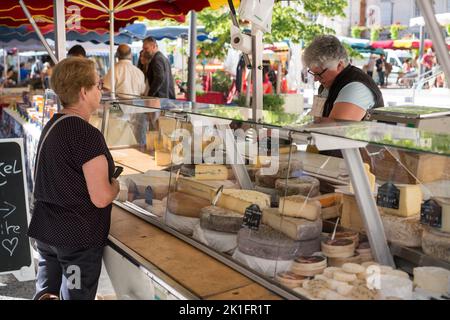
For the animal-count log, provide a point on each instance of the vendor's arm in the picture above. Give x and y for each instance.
(101, 191)
(352, 102)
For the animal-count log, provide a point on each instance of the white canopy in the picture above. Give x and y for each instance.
(442, 18)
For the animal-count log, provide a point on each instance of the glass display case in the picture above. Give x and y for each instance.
(273, 199)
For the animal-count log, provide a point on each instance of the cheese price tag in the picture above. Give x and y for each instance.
(217, 196)
(149, 195)
(388, 196)
(252, 217)
(431, 214)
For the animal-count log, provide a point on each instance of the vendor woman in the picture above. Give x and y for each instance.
(346, 92)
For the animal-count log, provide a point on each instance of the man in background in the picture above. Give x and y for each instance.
(159, 73)
(129, 80)
(76, 51)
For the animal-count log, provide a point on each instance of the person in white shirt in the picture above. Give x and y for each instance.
(129, 80)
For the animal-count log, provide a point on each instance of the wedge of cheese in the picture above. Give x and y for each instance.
(294, 228)
(186, 205)
(211, 172)
(163, 158)
(410, 199)
(300, 207)
(205, 189)
(239, 200)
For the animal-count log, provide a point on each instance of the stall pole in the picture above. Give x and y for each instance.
(111, 48)
(5, 62)
(441, 49)
(192, 56)
(368, 207)
(422, 45)
(18, 66)
(60, 29)
(38, 32)
(257, 53)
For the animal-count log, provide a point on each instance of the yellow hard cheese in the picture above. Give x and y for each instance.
(410, 199)
(211, 172)
(203, 189)
(238, 200)
(300, 207)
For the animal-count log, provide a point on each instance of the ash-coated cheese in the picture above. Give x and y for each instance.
(268, 243)
(186, 205)
(404, 231)
(433, 279)
(410, 200)
(305, 186)
(300, 207)
(294, 228)
(239, 200)
(436, 243)
(220, 219)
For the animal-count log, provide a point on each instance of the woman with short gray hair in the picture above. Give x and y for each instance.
(346, 92)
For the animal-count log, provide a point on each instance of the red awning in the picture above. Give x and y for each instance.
(90, 15)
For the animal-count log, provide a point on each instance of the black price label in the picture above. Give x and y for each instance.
(149, 195)
(431, 214)
(388, 196)
(252, 217)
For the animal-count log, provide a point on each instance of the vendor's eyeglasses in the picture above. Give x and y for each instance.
(100, 84)
(319, 74)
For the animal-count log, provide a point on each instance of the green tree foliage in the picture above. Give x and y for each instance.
(287, 23)
(395, 30)
(375, 33)
(447, 27)
(356, 31)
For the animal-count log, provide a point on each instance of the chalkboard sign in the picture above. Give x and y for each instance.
(388, 196)
(15, 248)
(431, 214)
(252, 217)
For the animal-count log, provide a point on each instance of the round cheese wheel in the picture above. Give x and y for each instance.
(268, 181)
(220, 219)
(352, 235)
(186, 205)
(220, 241)
(338, 248)
(309, 265)
(268, 243)
(290, 279)
(339, 262)
(305, 186)
(266, 267)
(183, 224)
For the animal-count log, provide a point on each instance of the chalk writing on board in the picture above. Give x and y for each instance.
(10, 245)
(6, 209)
(6, 169)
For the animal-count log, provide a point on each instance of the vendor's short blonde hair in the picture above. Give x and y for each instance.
(69, 76)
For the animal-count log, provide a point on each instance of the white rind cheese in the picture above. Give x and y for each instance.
(434, 279)
(239, 200)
